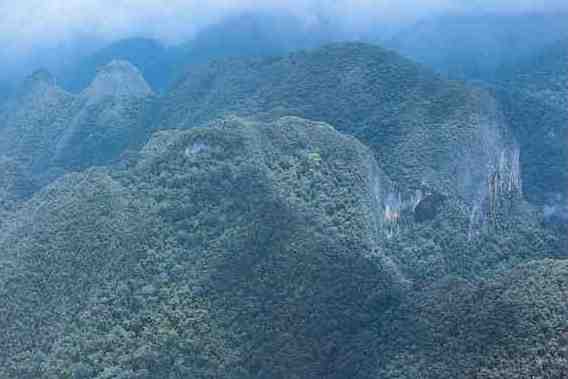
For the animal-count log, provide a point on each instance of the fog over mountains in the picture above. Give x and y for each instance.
(35, 34)
(284, 190)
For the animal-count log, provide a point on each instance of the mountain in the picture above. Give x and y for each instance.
(149, 56)
(543, 75)
(513, 326)
(183, 246)
(174, 265)
(49, 131)
(249, 34)
(15, 186)
(111, 115)
(416, 122)
(476, 46)
(340, 212)
(533, 97)
(31, 121)
(256, 34)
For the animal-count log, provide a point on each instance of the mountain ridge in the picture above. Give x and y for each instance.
(340, 212)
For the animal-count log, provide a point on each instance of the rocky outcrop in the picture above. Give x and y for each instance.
(424, 131)
(534, 98)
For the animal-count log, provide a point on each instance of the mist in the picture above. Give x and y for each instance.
(37, 33)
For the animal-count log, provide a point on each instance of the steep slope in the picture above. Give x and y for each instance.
(33, 120)
(49, 131)
(542, 132)
(112, 114)
(416, 123)
(512, 326)
(534, 98)
(544, 75)
(15, 186)
(476, 46)
(177, 266)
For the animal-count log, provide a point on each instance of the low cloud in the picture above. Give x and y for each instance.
(28, 25)
(28, 22)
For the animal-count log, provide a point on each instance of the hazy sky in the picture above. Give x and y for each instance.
(26, 23)
(30, 25)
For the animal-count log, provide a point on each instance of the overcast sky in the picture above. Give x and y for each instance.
(26, 25)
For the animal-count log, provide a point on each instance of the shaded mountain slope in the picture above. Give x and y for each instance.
(15, 186)
(112, 114)
(49, 131)
(544, 75)
(513, 325)
(416, 123)
(542, 132)
(178, 266)
(533, 96)
(31, 121)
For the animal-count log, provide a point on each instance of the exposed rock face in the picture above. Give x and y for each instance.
(270, 227)
(534, 96)
(423, 130)
(274, 247)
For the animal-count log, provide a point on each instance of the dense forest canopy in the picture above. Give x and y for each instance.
(303, 190)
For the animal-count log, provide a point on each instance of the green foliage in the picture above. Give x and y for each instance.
(533, 97)
(510, 325)
(450, 246)
(415, 122)
(246, 248)
(224, 251)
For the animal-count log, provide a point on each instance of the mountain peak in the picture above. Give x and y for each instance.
(39, 79)
(118, 79)
(41, 75)
(118, 65)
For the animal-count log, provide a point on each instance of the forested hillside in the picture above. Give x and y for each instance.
(336, 212)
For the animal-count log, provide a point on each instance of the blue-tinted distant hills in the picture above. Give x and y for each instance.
(244, 35)
(476, 46)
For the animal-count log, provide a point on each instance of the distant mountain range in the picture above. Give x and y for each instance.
(477, 46)
(244, 35)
